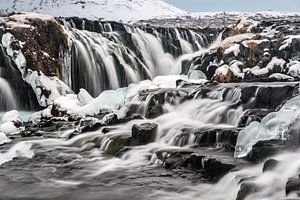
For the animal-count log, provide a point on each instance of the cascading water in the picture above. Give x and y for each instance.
(115, 55)
(7, 98)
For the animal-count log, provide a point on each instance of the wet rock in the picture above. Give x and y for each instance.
(225, 138)
(251, 115)
(265, 149)
(246, 189)
(144, 133)
(58, 112)
(117, 144)
(269, 165)
(209, 167)
(89, 124)
(293, 185)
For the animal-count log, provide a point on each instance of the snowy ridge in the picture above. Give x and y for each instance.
(116, 10)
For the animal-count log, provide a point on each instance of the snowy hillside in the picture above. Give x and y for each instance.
(116, 10)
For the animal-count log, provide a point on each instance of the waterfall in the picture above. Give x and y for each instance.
(109, 55)
(7, 97)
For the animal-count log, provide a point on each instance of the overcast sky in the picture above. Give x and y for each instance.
(236, 5)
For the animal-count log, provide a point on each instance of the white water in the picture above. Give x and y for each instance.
(105, 61)
(7, 98)
(270, 185)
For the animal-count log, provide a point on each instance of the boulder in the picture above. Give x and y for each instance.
(144, 133)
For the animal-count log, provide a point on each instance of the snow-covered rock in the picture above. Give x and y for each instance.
(288, 41)
(294, 69)
(115, 10)
(281, 77)
(46, 88)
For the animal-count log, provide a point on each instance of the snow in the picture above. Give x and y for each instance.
(236, 39)
(116, 10)
(257, 71)
(281, 77)
(235, 68)
(235, 49)
(294, 69)
(22, 20)
(276, 125)
(247, 23)
(223, 70)
(288, 41)
(276, 62)
(257, 42)
(16, 55)
(239, 15)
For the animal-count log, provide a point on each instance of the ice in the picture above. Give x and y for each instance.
(84, 97)
(11, 116)
(4, 139)
(275, 125)
(196, 75)
(39, 82)
(8, 122)
(168, 81)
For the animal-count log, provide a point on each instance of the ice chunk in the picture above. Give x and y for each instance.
(4, 139)
(84, 97)
(275, 125)
(168, 81)
(9, 121)
(11, 116)
(196, 74)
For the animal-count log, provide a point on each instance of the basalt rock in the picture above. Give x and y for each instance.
(144, 133)
(246, 189)
(293, 185)
(270, 164)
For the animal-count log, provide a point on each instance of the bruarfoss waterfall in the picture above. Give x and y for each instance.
(177, 108)
(108, 55)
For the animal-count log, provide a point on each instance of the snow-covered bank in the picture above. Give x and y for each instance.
(117, 10)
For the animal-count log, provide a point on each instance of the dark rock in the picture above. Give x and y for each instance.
(269, 165)
(265, 149)
(117, 144)
(293, 185)
(144, 133)
(89, 124)
(246, 189)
